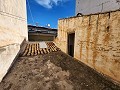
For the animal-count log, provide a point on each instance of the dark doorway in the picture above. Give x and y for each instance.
(71, 39)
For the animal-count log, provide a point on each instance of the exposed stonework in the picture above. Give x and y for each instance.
(13, 30)
(97, 41)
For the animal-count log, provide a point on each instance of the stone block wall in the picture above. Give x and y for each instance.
(97, 41)
(13, 30)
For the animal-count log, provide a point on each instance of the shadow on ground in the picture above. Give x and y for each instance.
(54, 71)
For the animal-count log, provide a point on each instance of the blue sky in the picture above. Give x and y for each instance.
(49, 11)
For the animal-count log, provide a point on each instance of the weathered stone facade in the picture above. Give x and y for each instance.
(97, 41)
(13, 30)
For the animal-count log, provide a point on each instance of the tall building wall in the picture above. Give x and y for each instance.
(97, 41)
(95, 6)
(13, 30)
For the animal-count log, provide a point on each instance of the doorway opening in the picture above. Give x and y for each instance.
(71, 39)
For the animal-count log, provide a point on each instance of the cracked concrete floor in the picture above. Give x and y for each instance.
(54, 71)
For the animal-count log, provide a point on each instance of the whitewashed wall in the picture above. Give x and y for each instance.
(13, 30)
(95, 6)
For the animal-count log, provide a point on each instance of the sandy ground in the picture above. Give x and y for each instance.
(54, 71)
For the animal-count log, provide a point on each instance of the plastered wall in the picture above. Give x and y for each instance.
(97, 41)
(94, 6)
(13, 30)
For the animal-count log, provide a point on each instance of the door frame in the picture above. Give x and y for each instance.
(73, 32)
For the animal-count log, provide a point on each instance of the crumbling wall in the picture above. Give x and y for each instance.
(97, 41)
(13, 30)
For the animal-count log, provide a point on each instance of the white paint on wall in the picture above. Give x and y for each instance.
(95, 6)
(13, 30)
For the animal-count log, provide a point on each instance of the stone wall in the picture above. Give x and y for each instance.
(13, 30)
(97, 41)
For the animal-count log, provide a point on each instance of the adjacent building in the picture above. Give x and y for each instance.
(38, 33)
(96, 6)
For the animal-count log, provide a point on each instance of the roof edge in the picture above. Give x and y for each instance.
(91, 14)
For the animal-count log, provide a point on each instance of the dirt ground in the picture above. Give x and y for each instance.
(54, 71)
